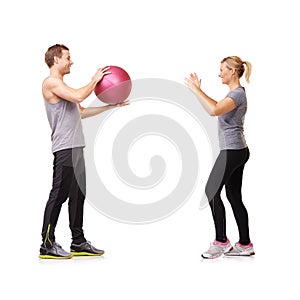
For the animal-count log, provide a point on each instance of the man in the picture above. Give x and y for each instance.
(64, 114)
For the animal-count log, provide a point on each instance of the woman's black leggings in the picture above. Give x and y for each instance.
(228, 170)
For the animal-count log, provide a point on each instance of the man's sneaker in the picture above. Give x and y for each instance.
(241, 250)
(216, 249)
(85, 249)
(55, 251)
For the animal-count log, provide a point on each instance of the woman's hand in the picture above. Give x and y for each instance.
(193, 82)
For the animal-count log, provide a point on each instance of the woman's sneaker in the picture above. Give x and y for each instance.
(216, 249)
(241, 250)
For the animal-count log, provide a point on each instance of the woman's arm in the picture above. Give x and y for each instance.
(213, 107)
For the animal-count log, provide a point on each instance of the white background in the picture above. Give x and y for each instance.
(161, 39)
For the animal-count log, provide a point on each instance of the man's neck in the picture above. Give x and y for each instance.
(56, 74)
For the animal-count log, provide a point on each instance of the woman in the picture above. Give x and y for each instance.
(234, 153)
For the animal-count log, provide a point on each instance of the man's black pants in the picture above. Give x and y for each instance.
(69, 182)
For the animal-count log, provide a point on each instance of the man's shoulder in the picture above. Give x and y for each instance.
(50, 80)
(48, 86)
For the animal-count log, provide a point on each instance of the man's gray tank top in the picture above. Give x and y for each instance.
(65, 122)
(231, 125)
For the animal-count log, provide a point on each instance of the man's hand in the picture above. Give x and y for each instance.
(100, 74)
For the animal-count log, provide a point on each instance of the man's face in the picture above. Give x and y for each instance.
(65, 62)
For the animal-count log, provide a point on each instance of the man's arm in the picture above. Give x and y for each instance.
(55, 88)
(93, 111)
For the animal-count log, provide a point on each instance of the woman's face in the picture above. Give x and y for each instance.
(226, 73)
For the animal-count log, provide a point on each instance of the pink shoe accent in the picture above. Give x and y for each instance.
(245, 246)
(221, 243)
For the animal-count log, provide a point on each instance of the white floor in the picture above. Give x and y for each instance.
(156, 261)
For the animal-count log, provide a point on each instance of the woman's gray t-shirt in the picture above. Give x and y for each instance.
(231, 125)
